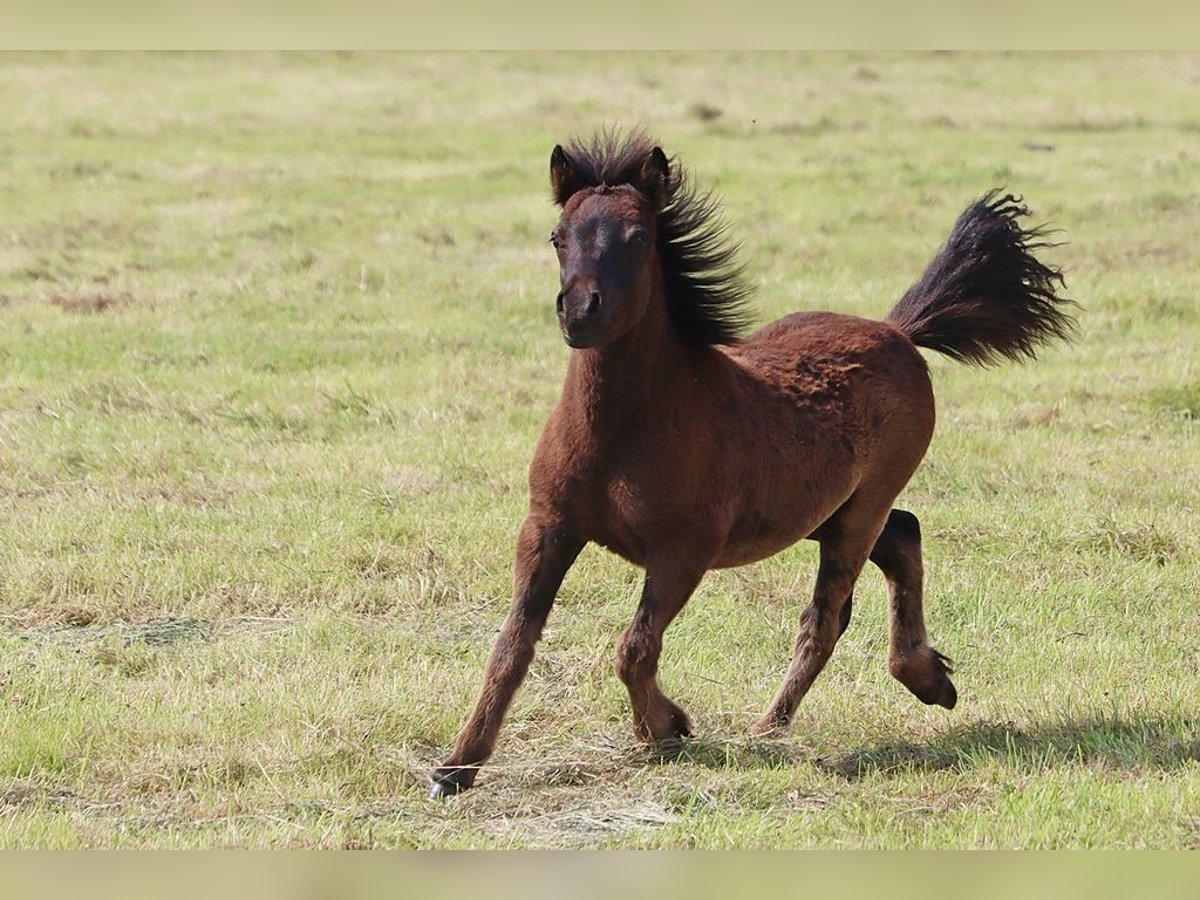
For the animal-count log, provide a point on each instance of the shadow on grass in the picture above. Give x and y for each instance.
(726, 754)
(1100, 741)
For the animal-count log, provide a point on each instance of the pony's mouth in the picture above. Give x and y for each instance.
(584, 339)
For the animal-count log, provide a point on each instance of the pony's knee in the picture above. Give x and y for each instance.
(637, 658)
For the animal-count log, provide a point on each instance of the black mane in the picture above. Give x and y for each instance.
(705, 285)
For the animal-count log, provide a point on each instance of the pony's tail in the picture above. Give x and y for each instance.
(985, 298)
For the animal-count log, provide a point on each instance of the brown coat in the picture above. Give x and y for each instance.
(682, 447)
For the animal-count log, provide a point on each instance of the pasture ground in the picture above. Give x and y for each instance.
(276, 340)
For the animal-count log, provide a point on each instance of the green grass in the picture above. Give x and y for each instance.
(276, 340)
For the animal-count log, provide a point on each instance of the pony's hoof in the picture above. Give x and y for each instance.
(927, 674)
(940, 694)
(671, 728)
(440, 790)
(447, 783)
(948, 696)
(681, 725)
(943, 693)
(768, 726)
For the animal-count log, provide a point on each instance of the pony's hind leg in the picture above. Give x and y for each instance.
(913, 662)
(668, 585)
(846, 542)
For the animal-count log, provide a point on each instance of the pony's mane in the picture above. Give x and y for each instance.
(705, 285)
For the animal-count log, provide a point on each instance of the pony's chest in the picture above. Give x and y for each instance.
(612, 511)
(629, 514)
(636, 489)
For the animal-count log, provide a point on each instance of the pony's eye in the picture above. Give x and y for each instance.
(638, 238)
(554, 239)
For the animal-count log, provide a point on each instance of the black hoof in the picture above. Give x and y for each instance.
(941, 694)
(439, 790)
(949, 695)
(449, 782)
(927, 674)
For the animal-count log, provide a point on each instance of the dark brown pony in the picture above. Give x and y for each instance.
(683, 448)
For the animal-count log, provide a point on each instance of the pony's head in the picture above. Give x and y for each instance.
(605, 241)
(630, 223)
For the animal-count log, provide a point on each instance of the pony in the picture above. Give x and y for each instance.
(682, 446)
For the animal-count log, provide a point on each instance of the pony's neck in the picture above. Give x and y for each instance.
(633, 377)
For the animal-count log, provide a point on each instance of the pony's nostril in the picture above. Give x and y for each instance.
(559, 303)
(593, 306)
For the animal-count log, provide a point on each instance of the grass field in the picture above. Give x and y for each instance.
(276, 340)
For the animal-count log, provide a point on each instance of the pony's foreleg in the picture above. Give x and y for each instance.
(911, 660)
(667, 588)
(544, 554)
(843, 555)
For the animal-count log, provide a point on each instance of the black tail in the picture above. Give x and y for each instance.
(985, 297)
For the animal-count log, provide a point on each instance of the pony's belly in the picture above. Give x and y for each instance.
(743, 552)
(765, 527)
(630, 526)
(632, 551)
(629, 544)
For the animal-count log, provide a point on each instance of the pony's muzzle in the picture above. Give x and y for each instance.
(581, 318)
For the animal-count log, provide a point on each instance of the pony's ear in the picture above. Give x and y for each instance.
(564, 177)
(654, 177)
